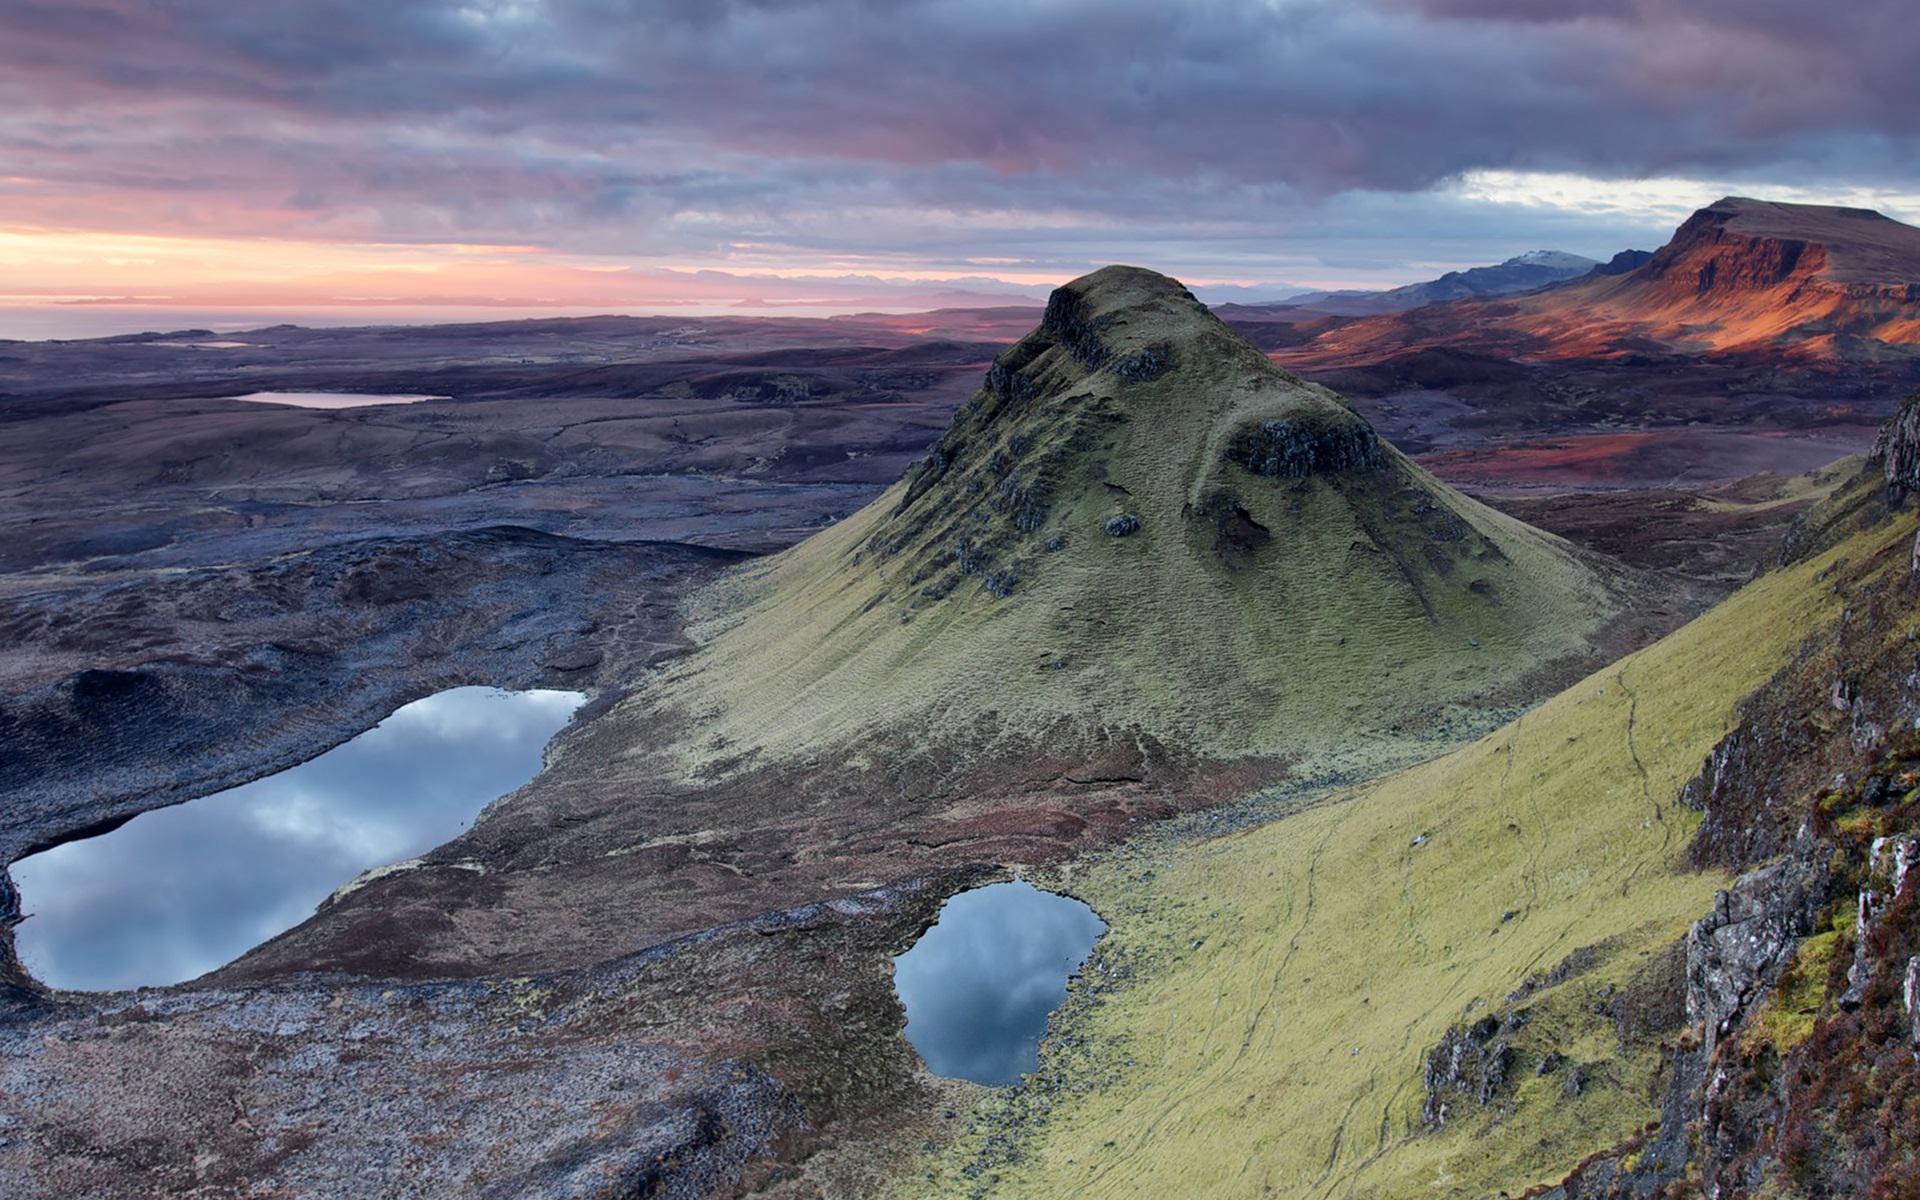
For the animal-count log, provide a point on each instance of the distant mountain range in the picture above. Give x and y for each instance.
(1741, 276)
(1521, 273)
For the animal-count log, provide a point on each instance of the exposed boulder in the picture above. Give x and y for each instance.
(1149, 362)
(1736, 950)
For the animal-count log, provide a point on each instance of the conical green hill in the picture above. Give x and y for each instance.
(1139, 523)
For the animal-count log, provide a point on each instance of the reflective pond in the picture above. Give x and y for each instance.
(980, 984)
(329, 399)
(178, 891)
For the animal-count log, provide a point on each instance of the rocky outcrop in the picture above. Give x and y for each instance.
(1070, 322)
(1295, 449)
(1897, 449)
(1471, 1063)
(1476, 1062)
(1736, 951)
(1889, 863)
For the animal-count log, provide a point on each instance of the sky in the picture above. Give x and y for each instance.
(814, 155)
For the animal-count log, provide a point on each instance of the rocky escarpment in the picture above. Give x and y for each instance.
(1709, 252)
(1799, 1067)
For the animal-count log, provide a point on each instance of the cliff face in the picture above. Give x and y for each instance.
(1708, 253)
(1897, 449)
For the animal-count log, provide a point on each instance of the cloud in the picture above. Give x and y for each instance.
(916, 134)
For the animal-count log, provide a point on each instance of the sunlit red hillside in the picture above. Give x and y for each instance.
(1804, 281)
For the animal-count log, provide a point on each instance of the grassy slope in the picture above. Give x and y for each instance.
(1357, 617)
(1282, 1055)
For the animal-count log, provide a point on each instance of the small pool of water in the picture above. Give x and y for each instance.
(980, 984)
(331, 399)
(178, 891)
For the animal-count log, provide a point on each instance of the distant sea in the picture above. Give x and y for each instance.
(46, 322)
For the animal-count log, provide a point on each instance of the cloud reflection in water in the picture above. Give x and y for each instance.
(979, 985)
(178, 891)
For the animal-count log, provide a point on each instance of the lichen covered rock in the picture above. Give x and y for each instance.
(1470, 1063)
(1735, 951)
(1297, 448)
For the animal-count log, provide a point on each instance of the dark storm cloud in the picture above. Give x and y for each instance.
(670, 125)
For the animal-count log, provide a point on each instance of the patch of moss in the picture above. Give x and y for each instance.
(1787, 1018)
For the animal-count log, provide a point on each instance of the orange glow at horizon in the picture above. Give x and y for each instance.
(77, 266)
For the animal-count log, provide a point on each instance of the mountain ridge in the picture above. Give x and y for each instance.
(1808, 283)
(1522, 272)
(1135, 448)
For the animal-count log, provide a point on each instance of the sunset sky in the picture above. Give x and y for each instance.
(618, 154)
